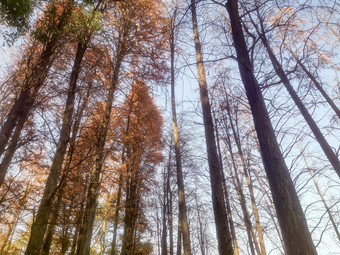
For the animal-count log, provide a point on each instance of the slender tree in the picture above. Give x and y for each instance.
(39, 226)
(216, 179)
(180, 180)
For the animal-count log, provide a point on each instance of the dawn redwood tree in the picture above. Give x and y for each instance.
(221, 220)
(66, 171)
(289, 211)
(143, 145)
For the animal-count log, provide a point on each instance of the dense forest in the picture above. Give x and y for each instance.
(163, 127)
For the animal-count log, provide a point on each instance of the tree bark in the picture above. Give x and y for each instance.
(290, 214)
(180, 180)
(220, 214)
(131, 214)
(164, 243)
(169, 209)
(67, 168)
(116, 219)
(12, 147)
(238, 186)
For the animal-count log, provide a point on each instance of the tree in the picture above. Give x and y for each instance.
(183, 221)
(16, 14)
(216, 179)
(143, 144)
(40, 224)
(291, 218)
(39, 60)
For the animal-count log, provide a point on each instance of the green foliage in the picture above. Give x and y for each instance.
(15, 15)
(84, 22)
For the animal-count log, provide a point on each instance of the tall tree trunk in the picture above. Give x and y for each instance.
(119, 193)
(67, 168)
(77, 229)
(164, 244)
(290, 214)
(131, 210)
(179, 238)
(116, 219)
(85, 233)
(332, 157)
(34, 79)
(39, 226)
(221, 219)
(231, 222)
(180, 180)
(169, 209)
(201, 236)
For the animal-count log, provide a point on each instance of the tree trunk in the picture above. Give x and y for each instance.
(12, 147)
(164, 244)
(201, 236)
(290, 214)
(221, 219)
(238, 187)
(116, 219)
(131, 205)
(39, 226)
(67, 165)
(180, 180)
(179, 239)
(169, 209)
(77, 229)
(35, 76)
